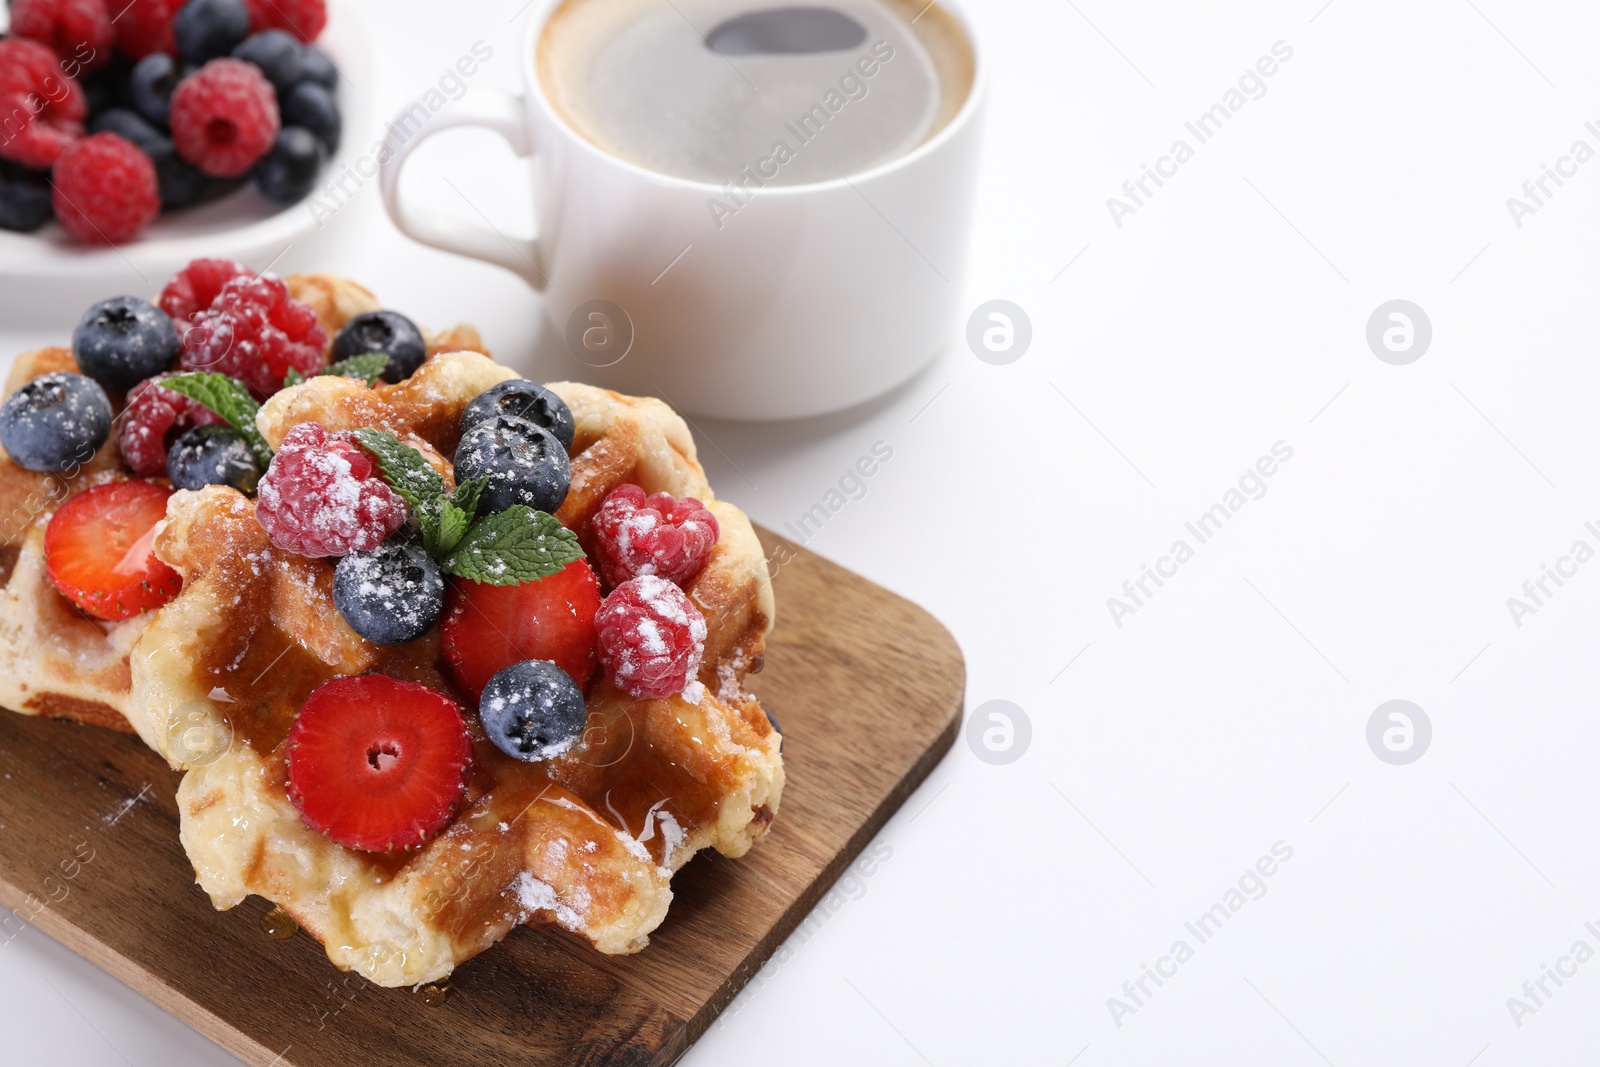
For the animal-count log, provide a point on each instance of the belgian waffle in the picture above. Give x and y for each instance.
(587, 841)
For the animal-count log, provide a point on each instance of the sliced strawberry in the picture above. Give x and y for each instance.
(489, 627)
(378, 764)
(98, 550)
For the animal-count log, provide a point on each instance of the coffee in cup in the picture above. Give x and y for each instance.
(755, 91)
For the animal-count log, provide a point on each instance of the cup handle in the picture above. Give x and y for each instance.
(455, 232)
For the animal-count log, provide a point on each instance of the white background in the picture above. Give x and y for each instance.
(1230, 712)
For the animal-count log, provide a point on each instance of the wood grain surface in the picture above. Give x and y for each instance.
(868, 690)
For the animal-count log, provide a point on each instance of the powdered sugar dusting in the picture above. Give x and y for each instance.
(536, 896)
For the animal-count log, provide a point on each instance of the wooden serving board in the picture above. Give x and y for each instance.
(868, 689)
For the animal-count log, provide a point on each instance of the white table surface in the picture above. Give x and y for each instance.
(1229, 713)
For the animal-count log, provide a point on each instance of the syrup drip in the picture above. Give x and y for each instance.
(279, 925)
(434, 995)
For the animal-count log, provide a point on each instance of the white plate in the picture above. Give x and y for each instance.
(48, 276)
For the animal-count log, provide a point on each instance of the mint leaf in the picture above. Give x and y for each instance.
(230, 399)
(370, 366)
(403, 468)
(452, 527)
(468, 493)
(512, 547)
(293, 378)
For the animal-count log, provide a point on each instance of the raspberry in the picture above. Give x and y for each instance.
(105, 190)
(651, 637)
(635, 534)
(322, 497)
(256, 333)
(41, 109)
(77, 30)
(224, 117)
(153, 419)
(303, 18)
(194, 288)
(145, 26)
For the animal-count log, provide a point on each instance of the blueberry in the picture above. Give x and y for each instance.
(106, 87)
(122, 341)
(209, 29)
(313, 107)
(290, 170)
(150, 86)
(524, 463)
(391, 595)
(129, 125)
(213, 455)
(55, 422)
(24, 198)
(181, 185)
(532, 711)
(526, 400)
(316, 67)
(388, 332)
(279, 55)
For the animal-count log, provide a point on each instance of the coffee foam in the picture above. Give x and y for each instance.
(638, 79)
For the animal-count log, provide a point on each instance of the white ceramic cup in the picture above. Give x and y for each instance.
(809, 299)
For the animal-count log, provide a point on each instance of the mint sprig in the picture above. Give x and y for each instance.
(402, 467)
(369, 366)
(513, 546)
(229, 399)
(508, 548)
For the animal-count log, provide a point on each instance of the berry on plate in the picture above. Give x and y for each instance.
(24, 198)
(313, 107)
(317, 67)
(122, 341)
(322, 496)
(213, 455)
(105, 189)
(532, 711)
(651, 637)
(150, 87)
(278, 54)
(145, 26)
(151, 420)
(98, 550)
(524, 463)
(487, 628)
(207, 29)
(386, 332)
(196, 286)
(255, 332)
(79, 30)
(180, 184)
(43, 111)
(391, 595)
(224, 118)
(525, 400)
(55, 422)
(636, 534)
(378, 764)
(303, 18)
(289, 172)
